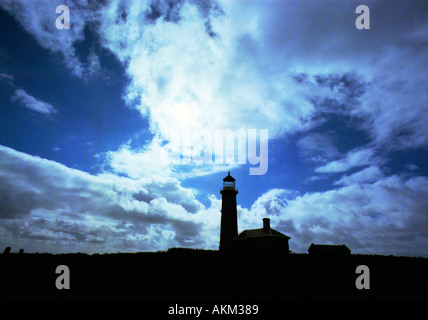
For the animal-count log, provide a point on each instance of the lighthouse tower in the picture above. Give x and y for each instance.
(229, 217)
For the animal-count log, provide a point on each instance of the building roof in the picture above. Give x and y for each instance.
(329, 248)
(229, 177)
(257, 233)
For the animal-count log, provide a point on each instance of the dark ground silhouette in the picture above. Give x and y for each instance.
(204, 274)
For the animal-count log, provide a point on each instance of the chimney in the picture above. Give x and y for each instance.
(266, 224)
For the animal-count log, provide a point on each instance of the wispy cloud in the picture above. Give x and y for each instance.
(370, 174)
(354, 158)
(6, 77)
(318, 147)
(28, 101)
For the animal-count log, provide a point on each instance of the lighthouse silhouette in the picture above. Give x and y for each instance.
(253, 240)
(229, 218)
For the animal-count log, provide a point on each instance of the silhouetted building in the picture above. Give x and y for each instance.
(264, 239)
(328, 250)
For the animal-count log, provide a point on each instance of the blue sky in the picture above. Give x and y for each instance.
(90, 116)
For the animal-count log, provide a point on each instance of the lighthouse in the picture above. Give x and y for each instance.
(229, 216)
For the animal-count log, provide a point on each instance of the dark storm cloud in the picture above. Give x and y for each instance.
(325, 31)
(376, 75)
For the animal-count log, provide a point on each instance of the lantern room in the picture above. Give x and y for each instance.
(229, 182)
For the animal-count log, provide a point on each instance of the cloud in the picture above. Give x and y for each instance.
(321, 40)
(32, 103)
(388, 216)
(318, 147)
(144, 162)
(45, 206)
(6, 77)
(38, 19)
(394, 106)
(23, 98)
(411, 166)
(367, 175)
(181, 73)
(283, 66)
(354, 158)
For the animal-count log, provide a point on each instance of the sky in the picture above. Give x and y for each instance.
(110, 129)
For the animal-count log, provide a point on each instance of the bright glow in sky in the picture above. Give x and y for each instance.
(90, 116)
